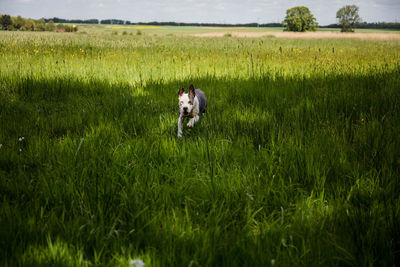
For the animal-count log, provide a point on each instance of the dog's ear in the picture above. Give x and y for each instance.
(192, 94)
(180, 92)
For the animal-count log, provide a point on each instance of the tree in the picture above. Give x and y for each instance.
(18, 22)
(40, 25)
(50, 26)
(5, 22)
(348, 17)
(299, 19)
(30, 25)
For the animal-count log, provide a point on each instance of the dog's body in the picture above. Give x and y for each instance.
(192, 104)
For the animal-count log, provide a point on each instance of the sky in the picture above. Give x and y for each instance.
(206, 11)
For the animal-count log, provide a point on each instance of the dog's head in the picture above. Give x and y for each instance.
(186, 101)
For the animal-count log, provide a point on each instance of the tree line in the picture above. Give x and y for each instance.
(157, 23)
(360, 25)
(19, 23)
(297, 18)
(77, 21)
(370, 25)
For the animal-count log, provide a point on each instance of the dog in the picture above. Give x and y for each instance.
(193, 104)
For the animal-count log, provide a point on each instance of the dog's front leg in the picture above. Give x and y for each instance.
(192, 121)
(180, 121)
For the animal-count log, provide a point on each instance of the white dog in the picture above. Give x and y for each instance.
(192, 104)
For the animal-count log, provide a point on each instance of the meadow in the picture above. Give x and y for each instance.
(187, 30)
(295, 163)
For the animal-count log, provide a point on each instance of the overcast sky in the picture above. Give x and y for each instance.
(214, 11)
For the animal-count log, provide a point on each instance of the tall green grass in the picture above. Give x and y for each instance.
(296, 161)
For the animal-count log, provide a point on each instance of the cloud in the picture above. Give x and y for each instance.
(220, 6)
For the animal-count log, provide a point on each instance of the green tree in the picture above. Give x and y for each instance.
(5, 22)
(50, 26)
(299, 19)
(348, 17)
(30, 25)
(18, 22)
(40, 25)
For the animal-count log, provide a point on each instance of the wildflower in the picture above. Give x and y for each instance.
(21, 139)
(20, 150)
(137, 263)
(1, 145)
(272, 262)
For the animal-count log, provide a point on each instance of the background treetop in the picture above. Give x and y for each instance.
(299, 19)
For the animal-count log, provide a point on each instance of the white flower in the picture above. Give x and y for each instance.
(272, 262)
(1, 145)
(20, 150)
(20, 139)
(137, 263)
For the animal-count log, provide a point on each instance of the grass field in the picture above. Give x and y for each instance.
(296, 162)
(185, 30)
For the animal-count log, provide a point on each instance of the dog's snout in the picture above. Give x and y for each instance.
(185, 109)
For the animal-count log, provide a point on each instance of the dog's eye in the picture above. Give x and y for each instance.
(190, 102)
(181, 102)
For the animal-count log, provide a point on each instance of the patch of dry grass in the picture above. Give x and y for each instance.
(305, 35)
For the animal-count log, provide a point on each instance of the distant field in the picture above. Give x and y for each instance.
(162, 30)
(295, 163)
(165, 30)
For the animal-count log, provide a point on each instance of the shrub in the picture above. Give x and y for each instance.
(72, 28)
